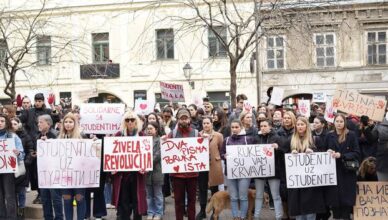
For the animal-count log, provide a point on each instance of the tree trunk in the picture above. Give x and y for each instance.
(233, 81)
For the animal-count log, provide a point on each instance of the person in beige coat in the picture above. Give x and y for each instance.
(213, 178)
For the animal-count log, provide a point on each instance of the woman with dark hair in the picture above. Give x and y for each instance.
(195, 120)
(343, 145)
(154, 179)
(320, 133)
(8, 204)
(153, 117)
(23, 181)
(260, 117)
(277, 119)
(220, 122)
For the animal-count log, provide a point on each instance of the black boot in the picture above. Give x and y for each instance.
(201, 215)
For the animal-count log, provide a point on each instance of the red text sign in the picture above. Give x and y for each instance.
(8, 160)
(184, 155)
(128, 153)
(172, 92)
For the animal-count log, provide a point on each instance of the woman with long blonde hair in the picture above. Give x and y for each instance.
(304, 203)
(70, 130)
(129, 190)
(343, 145)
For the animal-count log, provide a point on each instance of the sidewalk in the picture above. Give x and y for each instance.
(37, 213)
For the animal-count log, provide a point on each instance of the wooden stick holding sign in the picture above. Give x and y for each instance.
(69, 163)
(371, 201)
(310, 170)
(8, 159)
(185, 155)
(128, 153)
(250, 161)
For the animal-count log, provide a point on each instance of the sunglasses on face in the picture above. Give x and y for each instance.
(130, 120)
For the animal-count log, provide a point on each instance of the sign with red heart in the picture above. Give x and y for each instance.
(8, 159)
(144, 107)
(185, 155)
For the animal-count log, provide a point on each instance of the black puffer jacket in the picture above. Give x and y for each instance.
(381, 133)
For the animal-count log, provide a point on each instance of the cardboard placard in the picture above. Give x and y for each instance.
(319, 97)
(143, 107)
(371, 201)
(8, 159)
(128, 153)
(329, 110)
(172, 92)
(277, 96)
(185, 155)
(250, 161)
(310, 170)
(101, 118)
(68, 163)
(304, 107)
(352, 102)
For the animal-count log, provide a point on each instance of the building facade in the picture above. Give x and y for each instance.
(120, 50)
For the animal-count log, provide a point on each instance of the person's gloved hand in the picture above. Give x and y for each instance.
(19, 101)
(51, 99)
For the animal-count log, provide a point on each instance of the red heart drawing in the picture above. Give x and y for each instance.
(200, 140)
(176, 168)
(143, 106)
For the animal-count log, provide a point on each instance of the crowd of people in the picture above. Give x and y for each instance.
(350, 140)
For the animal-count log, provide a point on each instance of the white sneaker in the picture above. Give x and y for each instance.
(150, 217)
(110, 206)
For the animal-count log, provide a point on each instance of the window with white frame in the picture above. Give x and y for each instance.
(377, 47)
(165, 44)
(275, 52)
(3, 52)
(43, 47)
(216, 48)
(325, 50)
(100, 47)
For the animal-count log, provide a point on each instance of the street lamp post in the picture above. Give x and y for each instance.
(187, 73)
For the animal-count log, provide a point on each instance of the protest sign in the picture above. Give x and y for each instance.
(304, 107)
(371, 201)
(250, 161)
(277, 96)
(185, 155)
(128, 153)
(101, 118)
(329, 110)
(68, 163)
(352, 102)
(143, 107)
(172, 92)
(319, 97)
(310, 170)
(8, 159)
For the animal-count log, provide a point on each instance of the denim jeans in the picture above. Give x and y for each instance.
(238, 190)
(7, 196)
(22, 198)
(108, 193)
(154, 200)
(51, 198)
(274, 185)
(306, 217)
(68, 203)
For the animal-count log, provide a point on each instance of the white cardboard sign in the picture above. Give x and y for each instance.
(250, 161)
(101, 118)
(185, 155)
(277, 96)
(69, 163)
(8, 159)
(310, 170)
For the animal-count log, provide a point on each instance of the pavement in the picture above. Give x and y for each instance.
(34, 212)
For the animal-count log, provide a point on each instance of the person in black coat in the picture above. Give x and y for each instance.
(368, 142)
(285, 133)
(319, 133)
(381, 133)
(268, 136)
(343, 145)
(303, 203)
